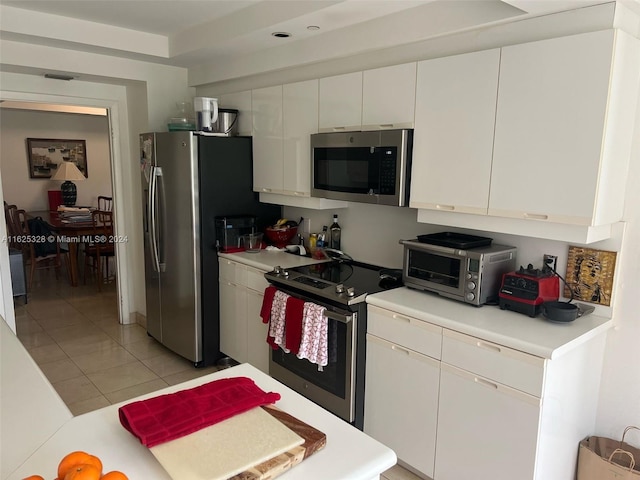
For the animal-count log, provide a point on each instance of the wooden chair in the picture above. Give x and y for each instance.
(101, 247)
(105, 204)
(13, 231)
(32, 258)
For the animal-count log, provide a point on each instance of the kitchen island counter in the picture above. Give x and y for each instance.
(348, 454)
(536, 336)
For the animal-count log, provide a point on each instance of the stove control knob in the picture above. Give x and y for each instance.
(277, 269)
(340, 288)
(351, 292)
(284, 273)
(470, 296)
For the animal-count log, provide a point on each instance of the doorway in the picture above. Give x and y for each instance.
(114, 171)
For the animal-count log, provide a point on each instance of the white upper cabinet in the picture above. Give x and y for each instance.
(453, 138)
(341, 103)
(388, 97)
(300, 115)
(563, 129)
(240, 101)
(268, 160)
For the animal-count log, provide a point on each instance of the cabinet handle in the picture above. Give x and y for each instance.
(445, 207)
(339, 128)
(488, 346)
(486, 383)
(400, 349)
(400, 317)
(536, 216)
(267, 190)
(300, 194)
(386, 125)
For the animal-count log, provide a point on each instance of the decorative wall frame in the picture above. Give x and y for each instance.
(590, 275)
(45, 154)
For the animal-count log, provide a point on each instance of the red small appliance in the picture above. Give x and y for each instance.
(525, 290)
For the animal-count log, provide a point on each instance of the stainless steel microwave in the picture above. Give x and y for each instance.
(469, 275)
(368, 167)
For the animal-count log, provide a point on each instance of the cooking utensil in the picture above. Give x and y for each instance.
(227, 122)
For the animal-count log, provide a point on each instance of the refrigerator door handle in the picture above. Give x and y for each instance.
(152, 218)
(162, 231)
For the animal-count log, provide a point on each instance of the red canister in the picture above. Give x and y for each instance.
(55, 199)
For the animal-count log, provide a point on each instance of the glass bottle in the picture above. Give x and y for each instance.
(336, 233)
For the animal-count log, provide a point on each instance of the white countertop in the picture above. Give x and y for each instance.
(267, 259)
(536, 336)
(348, 454)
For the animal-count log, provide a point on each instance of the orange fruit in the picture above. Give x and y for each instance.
(115, 475)
(33, 477)
(83, 472)
(77, 458)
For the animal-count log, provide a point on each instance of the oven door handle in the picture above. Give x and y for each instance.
(339, 317)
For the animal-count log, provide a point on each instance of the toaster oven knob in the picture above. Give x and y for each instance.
(470, 296)
(340, 288)
(351, 292)
(471, 286)
(468, 276)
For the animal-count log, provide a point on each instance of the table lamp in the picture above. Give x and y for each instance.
(68, 171)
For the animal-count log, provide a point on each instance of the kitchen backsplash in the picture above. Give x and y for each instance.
(370, 233)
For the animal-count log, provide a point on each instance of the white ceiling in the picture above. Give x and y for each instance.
(193, 33)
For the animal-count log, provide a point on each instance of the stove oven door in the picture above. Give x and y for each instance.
(333, 386)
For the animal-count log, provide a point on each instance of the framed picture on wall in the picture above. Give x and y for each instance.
(45, 154)
(590, 274)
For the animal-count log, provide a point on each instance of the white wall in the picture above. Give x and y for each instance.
(31, 193)
(144, 96)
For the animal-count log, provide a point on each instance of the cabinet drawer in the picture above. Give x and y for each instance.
(256, 280)
(510, 367)
(405, 331)
(232, 272)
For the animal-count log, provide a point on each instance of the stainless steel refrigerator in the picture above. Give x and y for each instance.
(187, 180)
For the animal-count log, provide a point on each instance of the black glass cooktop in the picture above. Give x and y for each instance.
(362, 276)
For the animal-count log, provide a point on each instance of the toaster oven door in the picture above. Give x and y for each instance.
(435, 271)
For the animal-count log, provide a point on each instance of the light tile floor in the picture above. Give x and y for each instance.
(92, 361)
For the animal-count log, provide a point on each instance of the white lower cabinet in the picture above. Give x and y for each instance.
(242, 334)
(233, 323)
(486, 430)
(401, 401)
(458, 407)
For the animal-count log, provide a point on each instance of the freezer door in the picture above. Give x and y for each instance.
(149, 208)
(178, 243)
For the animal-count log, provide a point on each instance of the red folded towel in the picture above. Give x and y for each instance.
(267, 301)
(293, 324)
(167, 417)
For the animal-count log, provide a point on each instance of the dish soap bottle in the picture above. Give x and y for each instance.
(322, 238)
(336, 233)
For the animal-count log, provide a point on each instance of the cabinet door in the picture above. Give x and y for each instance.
(267, 139)
(552, 104)
(485, 430)
(401, 402)
(453, 140)
(233, 320)
(257, 348)
(340, 103)
(300, 115)
(240, 101)
(389, 97)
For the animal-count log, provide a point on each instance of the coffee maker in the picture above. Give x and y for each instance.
(229, 231)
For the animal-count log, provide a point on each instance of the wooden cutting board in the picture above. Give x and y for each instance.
(314, 440)
(223, 450)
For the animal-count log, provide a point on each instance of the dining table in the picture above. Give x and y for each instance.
(70, 232)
